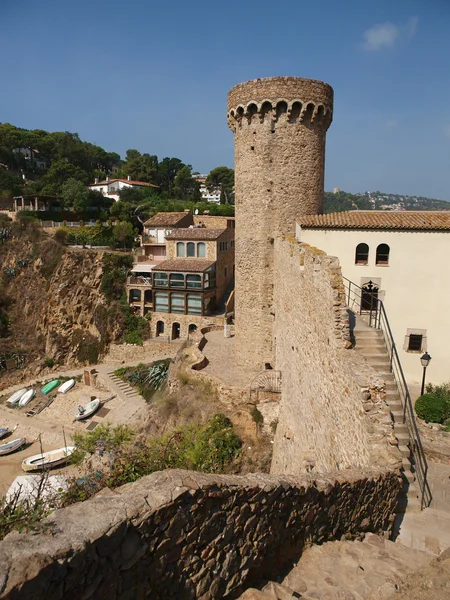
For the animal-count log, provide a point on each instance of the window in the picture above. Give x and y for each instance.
(415, 343)
(160, 279)
(176, 280)
(191, 249)
(382, 257)
(135, 295)
(177, 303)
(223, 246)
(415, 340)
(362, 254)
(159, 328)
(193, 281)
(180, 249)
(161, 302)
(225, 272)
(194, 304)
(232, 244)
(201, 249)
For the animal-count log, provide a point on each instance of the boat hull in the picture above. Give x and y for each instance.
(89, 409)
(27, 397)
(12, 446)
(50, 386)
(66, 386)
(14, 399)
(48, 460)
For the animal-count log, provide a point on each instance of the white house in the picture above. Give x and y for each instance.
(404, 259)
(207, 195)
(110, 188)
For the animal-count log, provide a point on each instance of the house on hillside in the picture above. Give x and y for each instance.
(207, 194)
(34, 202)
(32, 156)
(110, 188)
(402, 259)
(189, 288)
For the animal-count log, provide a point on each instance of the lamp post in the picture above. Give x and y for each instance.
(425, 360)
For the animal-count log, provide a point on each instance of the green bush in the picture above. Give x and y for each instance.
(49, 361)
(432, 408)
(133, 337)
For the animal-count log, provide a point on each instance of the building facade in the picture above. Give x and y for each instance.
(110, 188)
(401, 259)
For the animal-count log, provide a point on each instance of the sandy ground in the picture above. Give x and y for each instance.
(54, 426)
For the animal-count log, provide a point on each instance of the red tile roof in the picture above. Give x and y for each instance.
(166, 219)
(371, 219)
(185, 265)
(195, 233)
(129, 181)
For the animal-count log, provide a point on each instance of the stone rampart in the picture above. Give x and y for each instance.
(180, 534)
(324, 423)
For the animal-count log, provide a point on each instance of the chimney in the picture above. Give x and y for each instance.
(96, 180)
(128, 177)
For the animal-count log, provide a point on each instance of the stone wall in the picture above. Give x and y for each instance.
(148, 352)
(184, 321)
(279, 126)
(323, 423)
(180, 534)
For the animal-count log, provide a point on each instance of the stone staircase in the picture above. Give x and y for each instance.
(370, 343)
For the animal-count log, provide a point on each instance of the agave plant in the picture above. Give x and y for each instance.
(157, 375)
(10, 272)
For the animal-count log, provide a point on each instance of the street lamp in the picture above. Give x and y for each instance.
(425, 360)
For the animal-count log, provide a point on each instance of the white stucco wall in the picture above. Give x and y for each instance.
(415, 287)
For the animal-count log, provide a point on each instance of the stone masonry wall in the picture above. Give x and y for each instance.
(279, 126)
(183, 535)
(323, 422)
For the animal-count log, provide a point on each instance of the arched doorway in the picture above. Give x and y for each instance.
(192, 328)
(176, 331)
(369, 296)
(159, 328)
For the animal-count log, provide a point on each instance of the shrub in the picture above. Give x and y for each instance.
(49, 362)
(133, 337)
(432, 408)
(106, 437)
(60, 236)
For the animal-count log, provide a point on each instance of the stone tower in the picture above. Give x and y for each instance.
(279, 126)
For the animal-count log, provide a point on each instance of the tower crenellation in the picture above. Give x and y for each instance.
(279, 126)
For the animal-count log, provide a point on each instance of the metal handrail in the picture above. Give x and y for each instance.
(378, 319)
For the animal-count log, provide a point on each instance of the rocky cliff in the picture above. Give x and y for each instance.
(54, 304)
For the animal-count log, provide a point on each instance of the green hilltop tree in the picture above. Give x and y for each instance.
(222, 178)
(75, 195)
(185, 186)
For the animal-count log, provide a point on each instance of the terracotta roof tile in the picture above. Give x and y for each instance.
(371, 219)
(129, 181)
(195, 233)
(165, 219)
(189, 265)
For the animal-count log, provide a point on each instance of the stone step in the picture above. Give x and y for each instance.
(401, 428)
(404, 451)
(406, 464)
(403, 438)
(408, 475)
(279, 591)
(397, 415)
(407, 503)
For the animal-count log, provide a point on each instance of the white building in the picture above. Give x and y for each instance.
(406, 257)
(207, 195)
(110, 188)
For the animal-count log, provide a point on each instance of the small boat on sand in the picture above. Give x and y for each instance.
(48, 460)
(50, 386)
(83, 412)
(16, 396)
(66, 386)
(27, 397)
(5, 430)
(12, 446)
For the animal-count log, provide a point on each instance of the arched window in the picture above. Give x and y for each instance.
(176, 329)
(362, 254)
(180, 249)
(191, 249)
(201, 250)
(382, 257)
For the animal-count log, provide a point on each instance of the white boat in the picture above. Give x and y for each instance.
(48, 460)
(12, 446)
(5, 430)
(16, 396)
(84, 412)
(27, 397)
(66, 386)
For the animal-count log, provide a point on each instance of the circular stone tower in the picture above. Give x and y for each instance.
(279, 126)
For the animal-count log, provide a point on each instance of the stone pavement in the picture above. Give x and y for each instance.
(348, 570)
(429, 530)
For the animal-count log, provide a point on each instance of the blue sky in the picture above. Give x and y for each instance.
(155, 75)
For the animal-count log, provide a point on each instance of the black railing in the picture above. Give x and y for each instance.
(365, 301)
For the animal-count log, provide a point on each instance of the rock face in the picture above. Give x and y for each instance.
(179, 534)
(57, 309)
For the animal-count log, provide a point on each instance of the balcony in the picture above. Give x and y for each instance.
(151, 239)
(139, 280)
